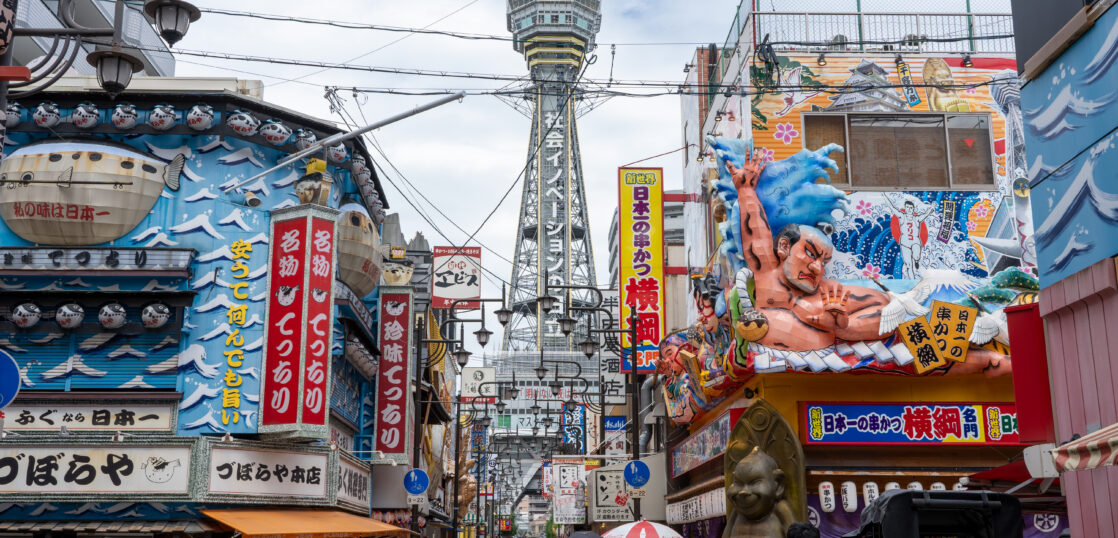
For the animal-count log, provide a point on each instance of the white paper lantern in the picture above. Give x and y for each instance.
(243, 123)
(124, 116)
(849, 496)
(85, 116)
(304, 138)
(70, 315)
(46, 115)
(200, 117)
(112, 316)
(959, 486)
(337, 153)
(155, 315)
(275, 132)
(938, 486)
(26, 315)
(892, 485)
(915, 486)
(162, 117)
(870, 492)
(827, 496)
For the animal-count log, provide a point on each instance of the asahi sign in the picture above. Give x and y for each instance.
(38, 416)
(81, 471)
(393, 405)
(260, 472)
(295, 393)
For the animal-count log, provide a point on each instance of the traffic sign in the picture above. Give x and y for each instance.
(9, 379)
(636, 473)
(416, 481)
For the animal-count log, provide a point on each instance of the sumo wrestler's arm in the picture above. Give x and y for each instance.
(856, 310)
(757, 238)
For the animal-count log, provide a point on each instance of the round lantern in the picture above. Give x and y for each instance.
(70, 315)
(124, 116)
(155, 315)
(46, 115)
(200, 117)
(915, 486)
(892, 485)
(337, 153)
(870, 492)
(85, 116)
(358, 163)
(849, 497)
(304, 138)
(243, 123)
(275, 132)
(112, 316)
(162, 117)
(26, 315)
(13, 115)
(827, 496)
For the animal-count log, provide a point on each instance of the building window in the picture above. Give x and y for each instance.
(906, 151)
(555, 19)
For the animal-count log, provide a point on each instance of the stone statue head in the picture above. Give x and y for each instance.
(758, 484)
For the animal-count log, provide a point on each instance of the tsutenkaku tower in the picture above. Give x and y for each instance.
(553, 235)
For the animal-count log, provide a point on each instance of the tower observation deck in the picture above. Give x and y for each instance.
(553, 235)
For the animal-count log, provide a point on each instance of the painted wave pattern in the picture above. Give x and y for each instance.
(199, 216)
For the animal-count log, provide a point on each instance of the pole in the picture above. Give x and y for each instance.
(457, 450)
(417, 437)
(6, 60)
(635, 402)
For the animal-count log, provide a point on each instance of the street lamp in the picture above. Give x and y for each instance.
(483, 335)
(547, 303)
(566, 324)
(501, 406)
(588, 346)
(503, 314)
(172, 17)
(114, 68)
(541, 372)
(461, 356)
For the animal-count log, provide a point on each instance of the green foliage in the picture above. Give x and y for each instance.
(549, 529)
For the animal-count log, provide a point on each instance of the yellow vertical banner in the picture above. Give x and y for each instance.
(916, 334)
(951, 328)
(640, 247)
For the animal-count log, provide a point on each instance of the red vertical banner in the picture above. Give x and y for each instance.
(295, 393)
(320, 282)
(393, 411)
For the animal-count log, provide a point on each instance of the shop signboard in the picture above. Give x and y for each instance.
(90, 471)
(295, 393)
(616, 448)
(354, 478)
(394, 403)
(609, 501)
(31, 415)
(479, 384)
(613, 381)
(457, 275)
(119, 259)
(697, 508)
(706, 444)
(893, 423)
(641, 250)
(569, 506)
(572, 424)
(268, 472)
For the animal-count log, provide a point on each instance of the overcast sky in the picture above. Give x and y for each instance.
(463, 156)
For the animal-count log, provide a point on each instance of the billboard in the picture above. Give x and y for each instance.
(456, 274)
(640, 244)
(910, 423)
(295, 394)
(394, 404)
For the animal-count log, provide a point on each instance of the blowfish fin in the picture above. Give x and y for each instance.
(66, 177)
(173, 171)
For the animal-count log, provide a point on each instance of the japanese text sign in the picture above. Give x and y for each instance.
(916, 334)
(608, 499)
(697, 508)
(295, 393)
(572, 424)
(911, 423)
(951, 328)
(393, 415)
(238, 471)
(705, 444)
(41, 416)
(641, 250)
(456, 274)
(81, 470)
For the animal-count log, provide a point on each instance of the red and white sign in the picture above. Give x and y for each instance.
(456, 274)
(393, 411)
(294, 395)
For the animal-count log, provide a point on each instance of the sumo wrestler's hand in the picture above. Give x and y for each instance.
(747, 175)
(835, 298)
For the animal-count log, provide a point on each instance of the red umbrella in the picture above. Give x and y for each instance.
(642, 529)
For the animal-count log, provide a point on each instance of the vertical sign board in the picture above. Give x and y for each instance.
(608, 499)
(295, 394)
(641, 248)
(394, 404)
(456, 274)
(553, 187)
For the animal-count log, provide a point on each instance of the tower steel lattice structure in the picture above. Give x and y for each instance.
(553, 235)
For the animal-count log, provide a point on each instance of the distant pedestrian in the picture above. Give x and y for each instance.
(802, 530)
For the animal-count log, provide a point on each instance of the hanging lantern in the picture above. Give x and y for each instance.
(357, 163)
(891, 486)
(849, 497)
(304, 138)
(124, 116)
(938, 486)
(26, 315)
(275, 132)
(870, 492)
(162, 117)
(46, 115)
(337, 153)
(112, 316)
(915, 486)
(200, 117)
(155, 315)
(13, 115)
(827, 496)
(85, 116)
(70, 315)
(114, 69)
(243, 123)
(172, 18)
(959, 486)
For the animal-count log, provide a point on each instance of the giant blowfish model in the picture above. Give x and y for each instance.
(81, 192)
(359, 261)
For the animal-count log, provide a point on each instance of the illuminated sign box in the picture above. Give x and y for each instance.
(892, 423)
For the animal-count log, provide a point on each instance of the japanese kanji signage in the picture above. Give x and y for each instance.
(697, 508)
(705, 444)
(608, 499)
(641, 251)
(81, 470)
(572, 424)
(294, 396)
(951, 328)
(353, 484)
(394, 403)
(479, 384)
(916, 334)
(911, 423)
(242, 471)
(236, 312)
(569, 507)
(456, 274)
(93, 258)
(39, 416)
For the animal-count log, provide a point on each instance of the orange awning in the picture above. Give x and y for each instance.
(303, 523)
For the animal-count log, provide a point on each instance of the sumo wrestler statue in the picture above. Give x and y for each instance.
(756, 500)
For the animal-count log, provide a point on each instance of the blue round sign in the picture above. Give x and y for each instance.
(9, 379)
(636, 473)
(416, 481)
